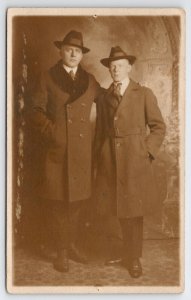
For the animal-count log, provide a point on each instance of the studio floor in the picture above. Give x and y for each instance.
(160, 268)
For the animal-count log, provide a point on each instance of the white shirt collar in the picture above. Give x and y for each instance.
(68, 69)
(124, 85)
(125, 81)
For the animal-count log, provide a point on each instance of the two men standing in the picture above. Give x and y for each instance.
(123, 152)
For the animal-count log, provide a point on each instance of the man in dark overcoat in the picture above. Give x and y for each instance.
(61, 114)
(124, 152)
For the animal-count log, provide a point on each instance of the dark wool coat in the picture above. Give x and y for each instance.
(124, 170)
(61, 114)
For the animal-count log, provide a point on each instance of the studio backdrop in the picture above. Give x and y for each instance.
(155, 43)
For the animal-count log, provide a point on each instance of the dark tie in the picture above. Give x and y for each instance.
(117, 91)
(72, 75)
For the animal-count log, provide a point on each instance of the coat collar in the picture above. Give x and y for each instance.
(62, 80)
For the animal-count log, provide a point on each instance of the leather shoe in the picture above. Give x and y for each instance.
(113, 261)
(134, 267)
(76, 255)
(61, 264)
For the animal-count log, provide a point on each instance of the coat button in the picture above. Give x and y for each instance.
(83, 104)
(82, 120)
(70, 121)
(118, 144)
(115, 118)
(81, 135)
(116, 130)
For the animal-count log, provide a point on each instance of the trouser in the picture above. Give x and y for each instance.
(60, 222)
(132, 233)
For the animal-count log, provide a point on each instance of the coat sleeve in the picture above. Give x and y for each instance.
(97, 89)
(99, 130)
(39, 116)
(155, 122)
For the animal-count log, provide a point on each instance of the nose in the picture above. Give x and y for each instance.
(115, 69)
(73, 53)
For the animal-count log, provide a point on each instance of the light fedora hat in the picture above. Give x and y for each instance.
(73, 38)
(117, 53)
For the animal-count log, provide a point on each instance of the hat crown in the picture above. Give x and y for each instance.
(73, 36)
(117, 52)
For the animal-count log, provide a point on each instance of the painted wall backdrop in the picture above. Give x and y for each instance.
(155, 43)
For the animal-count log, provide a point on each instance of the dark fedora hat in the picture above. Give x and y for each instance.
(73, 38)
(117, 53)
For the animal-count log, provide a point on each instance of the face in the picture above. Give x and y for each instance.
(71, 55)
(119, 69)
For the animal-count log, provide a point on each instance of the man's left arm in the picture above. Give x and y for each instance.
(155, 122)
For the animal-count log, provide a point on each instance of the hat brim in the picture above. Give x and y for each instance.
(106, 61)
(59, 44)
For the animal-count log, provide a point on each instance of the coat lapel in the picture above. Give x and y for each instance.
(109, 96)
(62, 94)
(127, 97)
(87, 95)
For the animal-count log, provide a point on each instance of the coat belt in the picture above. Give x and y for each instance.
(116, 132)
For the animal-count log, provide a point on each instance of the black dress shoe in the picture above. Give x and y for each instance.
(134, 267)
(61, 264)
(113, 261)
(76, 255)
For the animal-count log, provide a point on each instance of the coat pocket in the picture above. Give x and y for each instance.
(144, 146)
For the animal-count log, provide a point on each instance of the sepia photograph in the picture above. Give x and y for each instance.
(95, 150)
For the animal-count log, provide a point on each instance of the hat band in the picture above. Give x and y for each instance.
(118, 54)
(74, 42)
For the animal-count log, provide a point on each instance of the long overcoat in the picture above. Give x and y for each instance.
(66, 134)
(124, 182)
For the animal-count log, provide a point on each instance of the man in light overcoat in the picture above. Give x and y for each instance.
(124, 153)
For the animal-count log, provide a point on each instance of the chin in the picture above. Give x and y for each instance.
(72, 64)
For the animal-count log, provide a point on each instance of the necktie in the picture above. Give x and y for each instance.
(117, 91)
(72, 75)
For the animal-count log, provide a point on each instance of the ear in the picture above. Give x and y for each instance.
(129, 68)
(82, 55)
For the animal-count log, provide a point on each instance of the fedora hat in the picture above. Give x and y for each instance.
(115, 54)
(73, 38)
